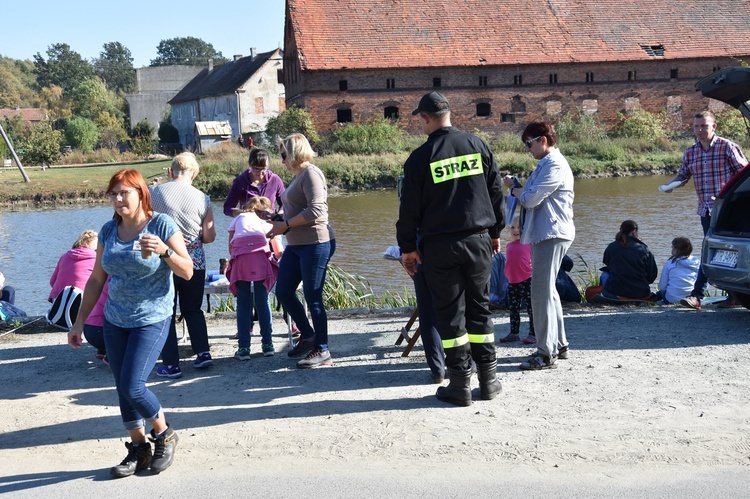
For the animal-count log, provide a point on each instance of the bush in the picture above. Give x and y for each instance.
(578, 126)
(731, 125)
(81, 133)
(374, 137)
(641, 125)
(41, 144)
(168, 133)
(293, 120)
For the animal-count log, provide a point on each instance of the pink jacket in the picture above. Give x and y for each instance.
(251, 260)
(73, 269)
(96, 317)
(517, 262)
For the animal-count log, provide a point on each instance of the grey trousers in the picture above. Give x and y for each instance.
(546, 257)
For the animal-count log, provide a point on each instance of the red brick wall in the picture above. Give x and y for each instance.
(610, 91)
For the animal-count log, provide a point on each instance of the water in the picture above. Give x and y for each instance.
(32, 241)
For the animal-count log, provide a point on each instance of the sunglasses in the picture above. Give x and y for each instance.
(531, 141)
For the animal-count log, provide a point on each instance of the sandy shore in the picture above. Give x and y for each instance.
(649, 393)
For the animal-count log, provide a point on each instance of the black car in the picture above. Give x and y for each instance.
(726, 248)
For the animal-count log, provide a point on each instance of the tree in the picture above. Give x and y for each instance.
(293, 120)
(82, 133)
(17, 81)
(141, 138)
(41, 144)
(186, 50)
(115, 67)
(63, 67)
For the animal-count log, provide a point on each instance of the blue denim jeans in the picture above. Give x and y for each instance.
(132, 354)
(247, 294)
(95, 336)
(190, 296)
(701, 283)
(305, 263)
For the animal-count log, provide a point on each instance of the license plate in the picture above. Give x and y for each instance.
(725, 258)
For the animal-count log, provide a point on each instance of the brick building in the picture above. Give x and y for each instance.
(504, 64)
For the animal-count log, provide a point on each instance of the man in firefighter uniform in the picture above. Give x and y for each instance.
(452, 197)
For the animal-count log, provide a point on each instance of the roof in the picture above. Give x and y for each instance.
(367, 34)
(28, 114)
(210, 128)
(223, 79)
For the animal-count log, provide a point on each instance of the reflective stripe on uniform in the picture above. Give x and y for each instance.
(460, 166)
(456, 342)
(482, 338)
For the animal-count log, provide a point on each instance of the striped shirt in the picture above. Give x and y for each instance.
(711, 169)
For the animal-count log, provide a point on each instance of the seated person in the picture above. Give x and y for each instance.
(74, 267)
(498, 283)
(565, 286)
(8, 292)
(679, 273)
(630, 266)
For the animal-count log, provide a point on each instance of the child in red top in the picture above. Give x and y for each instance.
(518, 272)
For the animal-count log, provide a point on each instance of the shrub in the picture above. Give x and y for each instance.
(580, 125)
(293, 120)
(731, 125)
(641, 125)
(373, 137)
(81, 133)
(41, 144)
(168, 133)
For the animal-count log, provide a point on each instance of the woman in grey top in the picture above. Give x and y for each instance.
(308, 250)
(547, 203)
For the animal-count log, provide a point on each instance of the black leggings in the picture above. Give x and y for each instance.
(516, 294)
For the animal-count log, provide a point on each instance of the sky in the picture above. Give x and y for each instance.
(28, 27)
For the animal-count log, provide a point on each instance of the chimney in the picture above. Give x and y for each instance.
(253, 52)
(210, 65)
(237, 56)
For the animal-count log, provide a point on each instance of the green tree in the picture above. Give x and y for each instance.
(115, 67)
(41, 144)
(168, 133)
(187, 50)
(731, 125)
(17, 82)
(293, 120)
(82, 133)
(63, 67)
(141, 138)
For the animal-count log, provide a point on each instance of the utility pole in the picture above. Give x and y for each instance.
(13, 153)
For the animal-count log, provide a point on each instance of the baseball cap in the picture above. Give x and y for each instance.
(432, 103)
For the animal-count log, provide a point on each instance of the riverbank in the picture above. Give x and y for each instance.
(652, 403)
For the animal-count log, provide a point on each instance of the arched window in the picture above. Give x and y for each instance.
(484, 109)
(343, 115)
(391, 112)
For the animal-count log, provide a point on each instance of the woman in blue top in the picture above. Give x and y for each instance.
(138, 250)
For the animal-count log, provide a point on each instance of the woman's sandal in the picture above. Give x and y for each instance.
(538, 363)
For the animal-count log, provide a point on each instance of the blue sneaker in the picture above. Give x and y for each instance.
(242, 354)
(203, 361)
(268, 350)
(172, 372)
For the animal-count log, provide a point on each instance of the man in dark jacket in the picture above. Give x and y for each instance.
(452, 197)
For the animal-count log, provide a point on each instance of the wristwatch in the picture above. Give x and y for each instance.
(167, 253)
(288, 227)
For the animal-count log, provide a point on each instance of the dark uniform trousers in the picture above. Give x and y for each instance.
(457, 268)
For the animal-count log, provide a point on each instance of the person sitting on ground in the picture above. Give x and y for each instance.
(75, 266)
(679, 273)
(518, 272)
(8, 292)
(252, 272)
(630, 266)
(565, 286)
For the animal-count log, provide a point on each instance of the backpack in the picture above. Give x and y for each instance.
(64, 309)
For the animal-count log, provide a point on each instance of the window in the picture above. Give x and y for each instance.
(343, 115)
(518, 80)
(390, 113)
(279, 75)
(482, 81)
(631, 75)
(589, 77)
(673, 73)
(654, 50)
(517, 105)
(436, 82)
(553, 78)
(484, 109)
(508, 118)
(390, 83)
(343, 85)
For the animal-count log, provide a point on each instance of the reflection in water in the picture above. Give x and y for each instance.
(32, 241)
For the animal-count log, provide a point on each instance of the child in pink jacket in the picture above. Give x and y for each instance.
(518, 272)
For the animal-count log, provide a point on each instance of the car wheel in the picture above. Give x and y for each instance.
(744, 299)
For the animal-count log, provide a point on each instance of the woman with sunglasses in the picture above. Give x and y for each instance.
(547, 225)
(256, 181)
(307, 252)
(138, 250)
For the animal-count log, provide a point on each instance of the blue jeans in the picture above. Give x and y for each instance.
(247, 294)
(190, 296)
(305, 263)
(95, 336)
(132, 354)
(699, 289)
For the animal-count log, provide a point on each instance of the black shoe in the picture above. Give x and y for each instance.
(303, 346)
(138, 458)
(164, 447)
(489, 385)
(438, 378)
(458, 391)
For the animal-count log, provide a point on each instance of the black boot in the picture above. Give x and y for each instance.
(138, 458)
(489, 385)
(458, 391)
(163, 450)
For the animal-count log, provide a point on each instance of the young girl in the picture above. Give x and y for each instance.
(518, 272)
(252, 273)
(679, 273)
